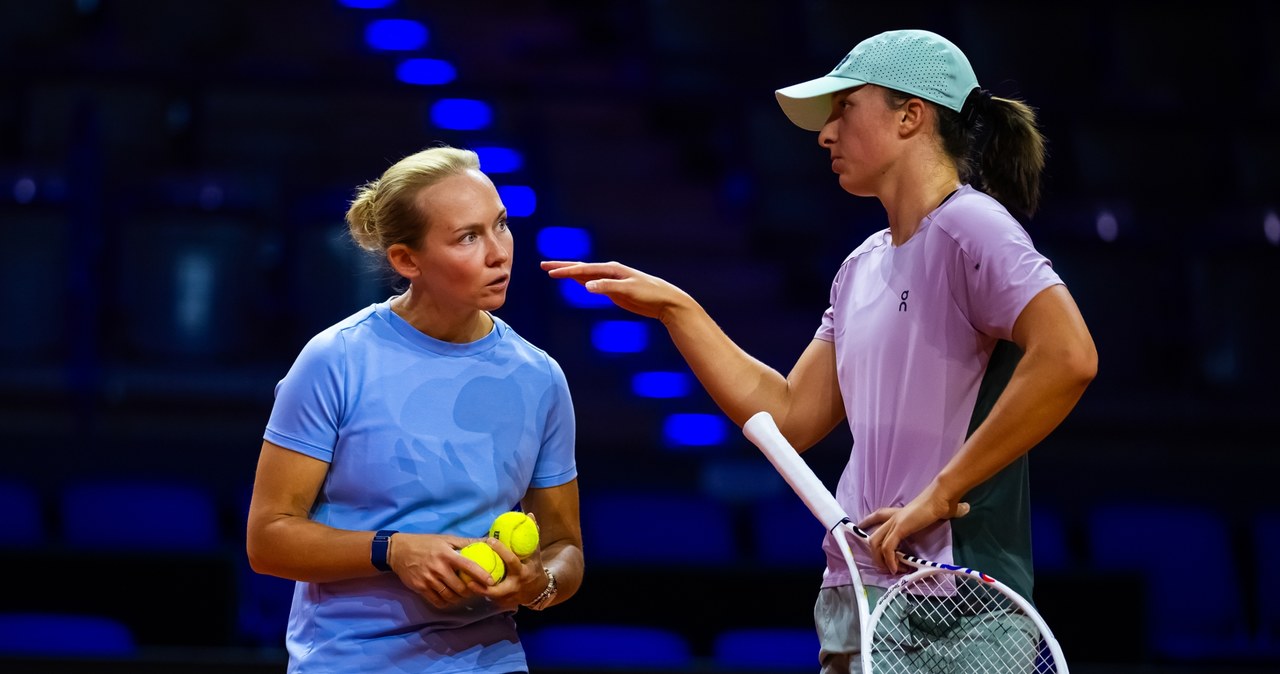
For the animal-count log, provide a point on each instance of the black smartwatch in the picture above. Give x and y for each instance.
(381, 546)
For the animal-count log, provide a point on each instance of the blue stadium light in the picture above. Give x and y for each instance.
(1271, 228)
(620, 336)
(462, 114)
(661, 384)
(519, 200)
(564, 243)
(395, 34)
(499, 159)
(694, 430)
(366, 4)
(425, 71)
(577, 296)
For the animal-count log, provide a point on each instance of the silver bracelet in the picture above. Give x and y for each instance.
(548, 595)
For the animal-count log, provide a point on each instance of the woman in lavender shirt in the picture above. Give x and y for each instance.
(950, 346)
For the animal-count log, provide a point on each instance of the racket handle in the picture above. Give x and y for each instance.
(763, 433)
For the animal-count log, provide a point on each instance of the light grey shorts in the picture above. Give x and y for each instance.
(835, 614)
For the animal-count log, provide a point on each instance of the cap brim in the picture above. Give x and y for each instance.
(808, 104)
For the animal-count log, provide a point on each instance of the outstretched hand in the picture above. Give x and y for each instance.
(895, 524)
(631, 289)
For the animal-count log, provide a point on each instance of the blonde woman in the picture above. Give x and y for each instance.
(402, 431)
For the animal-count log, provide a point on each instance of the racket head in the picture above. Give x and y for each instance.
(938, 620)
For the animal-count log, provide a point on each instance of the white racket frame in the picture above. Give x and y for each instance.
(763, 432)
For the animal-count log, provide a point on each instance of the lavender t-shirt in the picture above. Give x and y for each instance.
(914, 327)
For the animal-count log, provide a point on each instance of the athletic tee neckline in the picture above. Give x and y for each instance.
(924, 222)
(424, 341)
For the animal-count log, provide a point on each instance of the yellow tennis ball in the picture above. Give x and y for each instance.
(517, 531)
(480, 553)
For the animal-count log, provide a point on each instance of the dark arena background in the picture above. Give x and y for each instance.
(173, 177)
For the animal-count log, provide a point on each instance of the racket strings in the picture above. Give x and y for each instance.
(948, 624)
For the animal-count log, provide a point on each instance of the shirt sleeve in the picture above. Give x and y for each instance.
(308, 406)
(556, 462)
(827, 328)
(1001, 272)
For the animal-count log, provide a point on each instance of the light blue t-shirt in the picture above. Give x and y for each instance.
(421, 436)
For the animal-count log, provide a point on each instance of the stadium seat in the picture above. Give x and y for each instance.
(1190, 583)
(22, 525)
(607, 647)
(131, 515)
(147, 537)
(673, 528)
(785, 534)
(54, 634)
(766, 649)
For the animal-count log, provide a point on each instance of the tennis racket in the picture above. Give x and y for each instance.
(938, 619)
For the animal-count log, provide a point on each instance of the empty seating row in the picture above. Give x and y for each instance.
(1182, 571)
(144, 541)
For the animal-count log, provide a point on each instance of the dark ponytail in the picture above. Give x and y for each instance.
(996, 143)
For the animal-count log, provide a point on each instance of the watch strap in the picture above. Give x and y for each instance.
(381, 546)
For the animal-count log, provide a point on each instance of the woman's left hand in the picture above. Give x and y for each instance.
(895, 524)
(524, 580)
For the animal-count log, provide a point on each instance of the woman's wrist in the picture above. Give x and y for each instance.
(547, 595)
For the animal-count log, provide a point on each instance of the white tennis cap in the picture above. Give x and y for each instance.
(915, 62)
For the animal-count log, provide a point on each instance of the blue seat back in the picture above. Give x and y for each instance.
(1186, 564)
(53, 634)
(21, 516)
(765, 648)
(607, 646)
(657, 527)
(132, 515)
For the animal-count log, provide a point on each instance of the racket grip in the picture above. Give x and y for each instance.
(761, 430)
